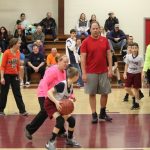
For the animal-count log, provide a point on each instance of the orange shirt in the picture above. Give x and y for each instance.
(11, 62)
(50, 60)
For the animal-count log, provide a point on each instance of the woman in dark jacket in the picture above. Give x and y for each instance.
(3, 38)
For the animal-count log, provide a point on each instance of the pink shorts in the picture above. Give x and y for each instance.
(133, 80)
(50, 107)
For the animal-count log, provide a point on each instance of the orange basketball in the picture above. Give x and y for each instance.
(67, 107)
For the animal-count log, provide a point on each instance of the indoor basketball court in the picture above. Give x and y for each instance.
(129, 129)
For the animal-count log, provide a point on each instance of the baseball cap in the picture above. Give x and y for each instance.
(110, 13)
(116, 25)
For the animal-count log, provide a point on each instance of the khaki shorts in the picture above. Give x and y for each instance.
(98, 84)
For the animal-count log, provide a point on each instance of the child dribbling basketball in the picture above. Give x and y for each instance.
(62, 90)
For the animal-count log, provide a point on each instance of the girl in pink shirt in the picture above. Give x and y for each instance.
(52, 76)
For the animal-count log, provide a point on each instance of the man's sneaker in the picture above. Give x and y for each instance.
(104, 117)
(50, 145)
(135, 106)
(126, 98)
(24, 114)
(2, 113)
(141, 95)
(27, 134)
(94, 118)
(62, 135)
(72, 143)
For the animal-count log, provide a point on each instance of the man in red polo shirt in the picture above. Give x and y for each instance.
(95, 52)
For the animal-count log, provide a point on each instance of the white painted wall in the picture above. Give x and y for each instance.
(35, 11)
(131, 14)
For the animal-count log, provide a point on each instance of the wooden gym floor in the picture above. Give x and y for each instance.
(129, 130)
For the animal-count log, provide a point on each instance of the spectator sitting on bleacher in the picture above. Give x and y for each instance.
(116, 38)
(19, 26)
(78, 45)
(49, 25)
(3, 38)
(93, 18)
(51, 58)
(82, 26)
(21, 36)
(35, 63)
(37, 35)
(128, 44)
(115, 70)
(130, 39)
(40, 45)
(110, 22)
(25, 25)
(102, 31)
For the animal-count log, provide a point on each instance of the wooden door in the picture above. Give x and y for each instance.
(147, 31)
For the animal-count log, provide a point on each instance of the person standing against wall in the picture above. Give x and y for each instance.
(94, 52)
(10, 76)
(146, 69)
(71, 52)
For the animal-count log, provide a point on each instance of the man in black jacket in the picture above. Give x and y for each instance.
(49, 25)
(110, 22)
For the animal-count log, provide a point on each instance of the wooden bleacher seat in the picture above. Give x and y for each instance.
(60, 45)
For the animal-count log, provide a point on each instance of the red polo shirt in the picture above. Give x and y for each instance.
(96, 50)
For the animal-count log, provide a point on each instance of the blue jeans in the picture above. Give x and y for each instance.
(80, 33)
(119, 44)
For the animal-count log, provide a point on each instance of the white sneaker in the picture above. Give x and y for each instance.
(27, 84)
(21, 83)
(50, 145)
(55, 40)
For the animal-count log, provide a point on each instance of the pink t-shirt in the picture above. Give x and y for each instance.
(52, 76)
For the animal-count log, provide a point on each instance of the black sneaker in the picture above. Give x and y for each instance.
(141, 95)
(135, 106)
(27, 134)
(126, 98)
(94, 118)
(104, 117)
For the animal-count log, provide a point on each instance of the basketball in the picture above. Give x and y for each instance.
(67, 107)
